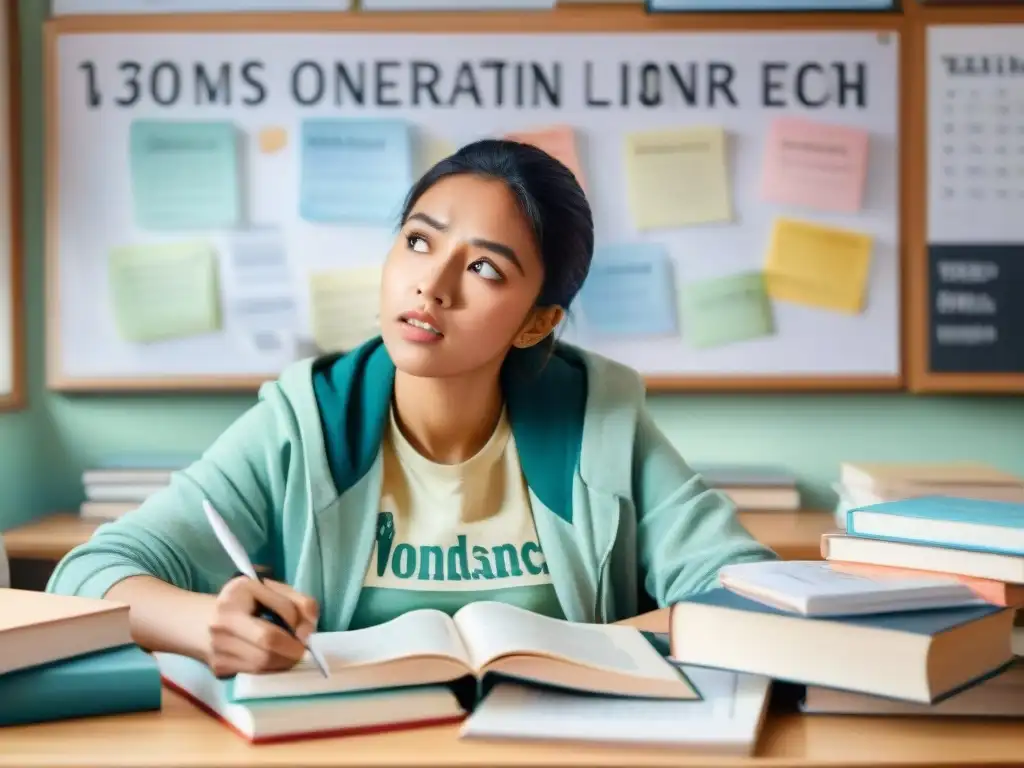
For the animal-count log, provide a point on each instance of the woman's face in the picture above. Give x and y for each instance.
(460, 283)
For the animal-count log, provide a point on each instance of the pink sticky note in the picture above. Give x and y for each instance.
(558, 141)
(815, 165)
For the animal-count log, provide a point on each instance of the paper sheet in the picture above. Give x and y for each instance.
(678, 178)
(262, 302)
(184, 175)
(818, 265)
(815, 165)
(345, 306)
(164, 291)
(629, 291)
(724, 310)
(559, 141)
(354, 170)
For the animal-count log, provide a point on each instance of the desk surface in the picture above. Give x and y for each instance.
(793, 535)
(180, 735)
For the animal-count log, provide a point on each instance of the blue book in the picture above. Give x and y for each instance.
(125, 679)
(924, 656)
(976, 525)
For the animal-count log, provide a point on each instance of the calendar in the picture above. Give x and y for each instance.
(976, 198)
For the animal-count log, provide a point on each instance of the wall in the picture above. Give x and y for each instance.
(44, 450)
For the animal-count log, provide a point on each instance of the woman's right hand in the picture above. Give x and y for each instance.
(241, 642)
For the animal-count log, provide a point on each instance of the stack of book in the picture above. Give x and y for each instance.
(911, 610)
(502, 671)
(122, 483)
(64, 657)
(863, 484)
(753, 487)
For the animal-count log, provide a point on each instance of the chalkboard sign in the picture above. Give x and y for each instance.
(977, 308)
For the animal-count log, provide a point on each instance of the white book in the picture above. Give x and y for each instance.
(429, 647)
(813, 588)
(727, 720)
(278, 719)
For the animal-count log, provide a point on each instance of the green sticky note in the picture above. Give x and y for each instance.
(164, 291)
(184, 175)
(724, 310)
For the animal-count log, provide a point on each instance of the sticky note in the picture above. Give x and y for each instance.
(345, 307)
(629, 291)
(260, 300)
(677, 178)
(164, 291)
(559, 141)
(724, 310)
(818, 265)
(431, 150)
(815, 165)
(184, 175)
(272, 139)
(354, 170)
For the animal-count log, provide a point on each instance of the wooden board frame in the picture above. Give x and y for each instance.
(574, 18)
(920, 379)
(17, 398)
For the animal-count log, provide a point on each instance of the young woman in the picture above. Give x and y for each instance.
(462, 455)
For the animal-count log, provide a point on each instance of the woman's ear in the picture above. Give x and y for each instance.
(538, 326)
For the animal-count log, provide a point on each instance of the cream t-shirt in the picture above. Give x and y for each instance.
(451, 534)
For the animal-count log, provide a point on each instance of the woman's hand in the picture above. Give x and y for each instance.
(241, 642)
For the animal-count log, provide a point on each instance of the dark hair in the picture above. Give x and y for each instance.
(548, 195)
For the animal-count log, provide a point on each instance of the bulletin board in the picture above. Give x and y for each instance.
(11, 284)
(222, 189)
(967, 247)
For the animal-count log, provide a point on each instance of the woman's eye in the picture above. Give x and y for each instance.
(486, 271)
(416, 243)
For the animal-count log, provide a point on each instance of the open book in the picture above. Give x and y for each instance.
(428, 647)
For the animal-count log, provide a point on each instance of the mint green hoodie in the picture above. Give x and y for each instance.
(624, 523)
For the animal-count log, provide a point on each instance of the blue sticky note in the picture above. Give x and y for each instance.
(629, 291)
(184, 175)
(354, 170)
(770, 5)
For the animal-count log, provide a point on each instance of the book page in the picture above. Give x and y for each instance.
(417, 633)
(490, 630)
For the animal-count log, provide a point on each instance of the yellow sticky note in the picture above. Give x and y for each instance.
(164, 291)
(431, 150)
(678, 177)
(819, 266)
(345, 307)
(272, 139)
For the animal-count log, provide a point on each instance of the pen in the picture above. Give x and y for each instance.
(241, 560)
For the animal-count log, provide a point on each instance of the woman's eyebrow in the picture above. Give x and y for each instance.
(499, 248)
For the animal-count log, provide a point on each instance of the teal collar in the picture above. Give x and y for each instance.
(545, 394)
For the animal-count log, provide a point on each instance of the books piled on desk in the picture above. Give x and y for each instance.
(753, 487)
(901, 616)
(63, 657)
(503, 671)
(122, 483)
(865, 483)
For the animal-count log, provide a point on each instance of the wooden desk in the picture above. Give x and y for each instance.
(180, 735)
(793, 535)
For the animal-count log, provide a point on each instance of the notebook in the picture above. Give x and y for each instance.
(482, 640)
(727, 720)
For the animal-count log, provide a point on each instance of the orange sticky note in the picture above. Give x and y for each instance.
(815, 165)
(272, 140)
(559, 141)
